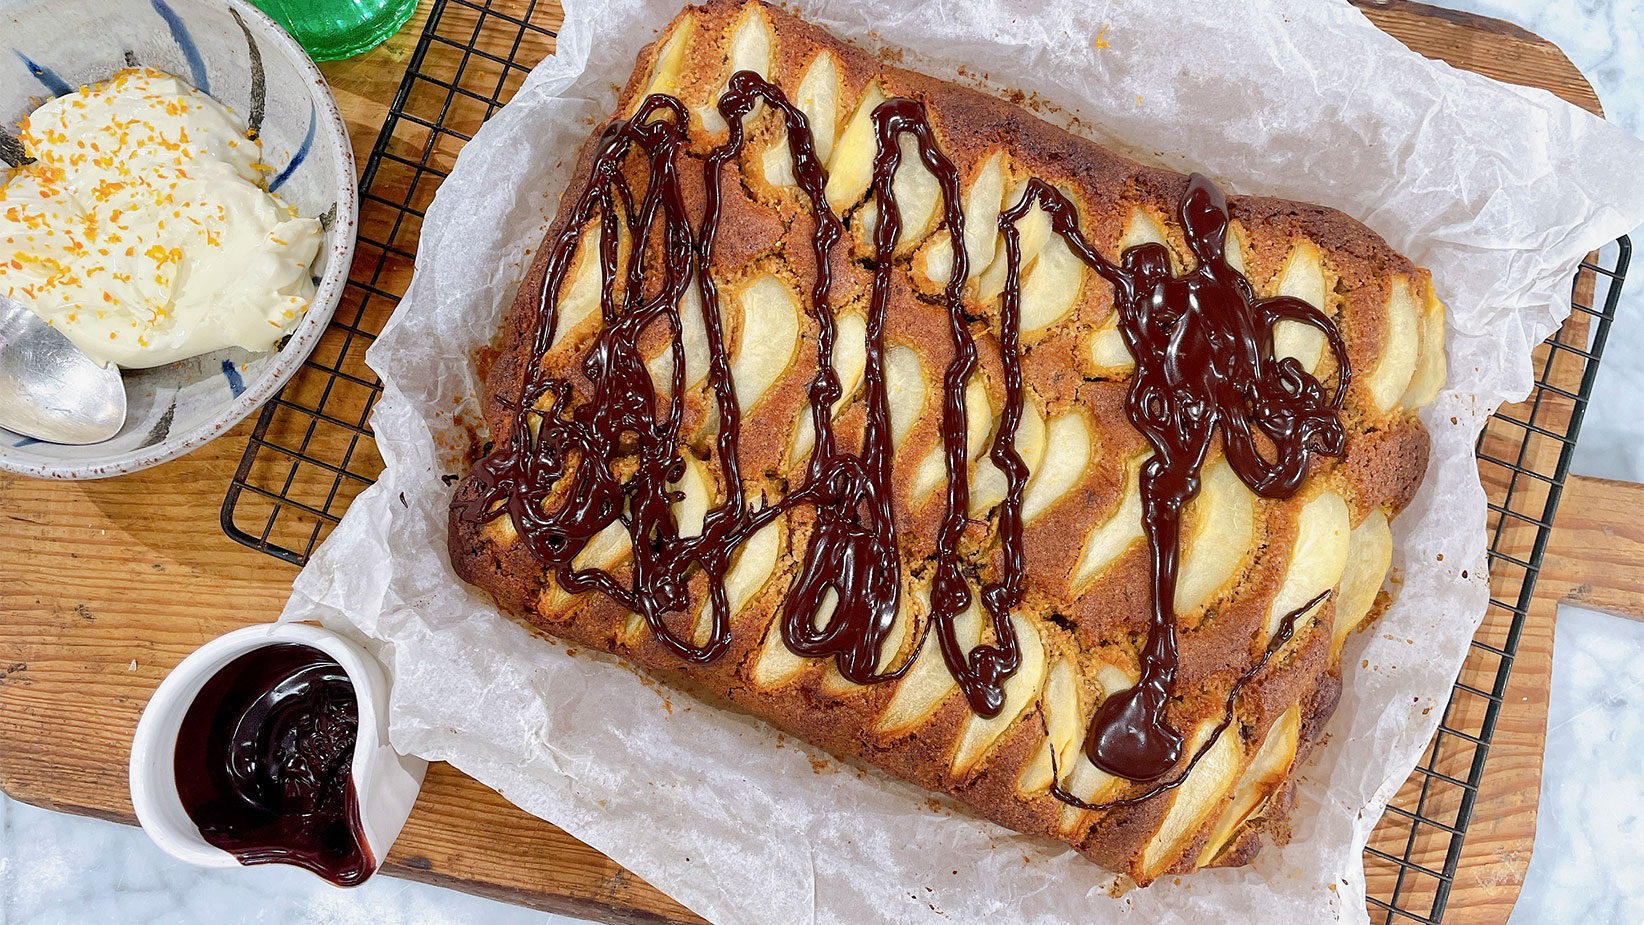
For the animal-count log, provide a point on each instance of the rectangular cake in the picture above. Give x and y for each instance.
(953, 443)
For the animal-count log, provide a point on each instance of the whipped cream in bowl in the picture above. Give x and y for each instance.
(143, 230)
(178, 198)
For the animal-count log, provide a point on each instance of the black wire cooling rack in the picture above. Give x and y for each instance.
(311, 451)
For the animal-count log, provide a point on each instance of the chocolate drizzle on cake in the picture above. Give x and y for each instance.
(1203, 345)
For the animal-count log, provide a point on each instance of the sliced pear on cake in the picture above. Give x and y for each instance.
(818, 99)
(1261, 778)
(665, 75)
(850, 357)
(850, 170)
(933, 264)
(979, 422)
(1063, 716)
(1316, 560)
(1143, 228)
(1369, 553)
(988, 484)
(1070, 445)
(1193, 802)
(1021, 691)
(579, 291)
(1051, 289)
(1396, 364)
(768, 337)
(1115, 535)
(1430, 365)
(1302, 278)
(929, 682)
(693, 337)
(1108, 351)
(906, 391)
(1033, 231)
(752, 566)
(751, 49)
(1219, 528)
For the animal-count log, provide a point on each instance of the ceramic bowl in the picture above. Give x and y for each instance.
(229, 49)
(385, 782)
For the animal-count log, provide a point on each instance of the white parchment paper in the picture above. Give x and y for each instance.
(1498, 190)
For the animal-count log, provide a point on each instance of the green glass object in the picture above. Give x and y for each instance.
(333, 29)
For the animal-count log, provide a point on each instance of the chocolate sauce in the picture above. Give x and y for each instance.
(262, 763)
(1204, 356)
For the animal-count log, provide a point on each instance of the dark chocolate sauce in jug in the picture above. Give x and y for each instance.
(262, 763)
(1204, 357)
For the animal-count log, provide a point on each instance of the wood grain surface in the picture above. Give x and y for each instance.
(104, 586)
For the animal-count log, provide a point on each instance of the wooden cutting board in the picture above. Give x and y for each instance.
(104, 586)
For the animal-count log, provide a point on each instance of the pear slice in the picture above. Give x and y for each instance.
(751, 50)
(1117, 534)
(1033, 231)
(1062, 718)
(906, 391)
(918, 195)
(1302, 278)
(1070, 445)
(693, 337)
(768, 337)
(850, 169)
(865, 221)
(777, 664)
(1051, 289)
(751, 568)
(1430, 367)
(979, 422)
(988, 484)
(1195, 799)
(850, 357)
(1220, 528)
(1143, 228)
(1261, 778)
(1233, 247)
(1021, 692)
(818, 98)
(1316, 561)
(579, 291)
(982, 204)
(933, 265)
(929, 682)
(1369, 553)
(665, 75)
(1083, 779)
(605, 549)
(690, 510)
(1109, 352)
(776, 163)
(1396, 366)
(501, 531)
(891, 652)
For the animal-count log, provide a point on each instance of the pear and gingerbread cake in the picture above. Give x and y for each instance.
(953, 443)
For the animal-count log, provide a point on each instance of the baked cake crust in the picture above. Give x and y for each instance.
(1247, 560)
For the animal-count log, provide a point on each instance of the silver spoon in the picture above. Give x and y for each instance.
(49, 389)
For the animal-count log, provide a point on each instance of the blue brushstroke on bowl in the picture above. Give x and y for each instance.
(26, 441)
(45, 75)
(232, 374)
(301, 155)
(185, 43)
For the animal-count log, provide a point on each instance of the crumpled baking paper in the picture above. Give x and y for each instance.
(1499, 190)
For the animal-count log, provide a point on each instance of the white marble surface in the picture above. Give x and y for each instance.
(1587, 866)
